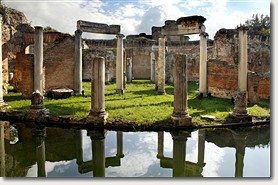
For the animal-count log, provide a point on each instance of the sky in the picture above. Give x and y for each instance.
(137, 16)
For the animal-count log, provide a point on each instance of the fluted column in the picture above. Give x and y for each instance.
(120, 65)
(180, 116)
(78, 63)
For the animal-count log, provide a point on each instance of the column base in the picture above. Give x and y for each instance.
(95, 118)
(181, 120)
(36, 114)
(160, 92)
(119, 91)
(4, 106)
(240, 118)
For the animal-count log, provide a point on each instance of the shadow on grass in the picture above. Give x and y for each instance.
(209, 105)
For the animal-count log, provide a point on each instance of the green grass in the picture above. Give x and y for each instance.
(139, 103)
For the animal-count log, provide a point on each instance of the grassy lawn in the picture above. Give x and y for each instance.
(139, 103)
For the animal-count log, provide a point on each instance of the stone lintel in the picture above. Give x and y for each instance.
(191, 19)
(181, 120)
(92, 27)
(181, 31)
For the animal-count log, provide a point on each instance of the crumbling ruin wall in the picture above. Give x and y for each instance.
(58, 60)
(138, 48)
(223, 70)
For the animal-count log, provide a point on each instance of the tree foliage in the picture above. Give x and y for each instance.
(49, 29)
(258, 23)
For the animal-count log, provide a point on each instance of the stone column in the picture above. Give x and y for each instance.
(39, 135)
(240, 113)
(38, 60)
(129, 70)
(180, 116)
(2, 149)
(78, 63)
(97, 113)
(203, 85)
(242, 66)
(119, 65)
(161, 67)
(152, 67)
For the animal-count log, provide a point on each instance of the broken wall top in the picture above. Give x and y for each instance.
(93, 27)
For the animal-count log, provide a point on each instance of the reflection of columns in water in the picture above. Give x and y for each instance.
(201, 147)
(2, 149)
(179, 152)
(98, 146)
(240, 144)
(120, 144)
(39, 135)
(160, 144)
(79, 145)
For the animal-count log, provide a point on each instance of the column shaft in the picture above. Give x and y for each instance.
(119, 65)
(180, 115)
(2, 149)
(78, 63)
(38, 59)
(161, 66)
(98, 84)
(129, 70)
(120, 144)
(203, 87)
(242, 67)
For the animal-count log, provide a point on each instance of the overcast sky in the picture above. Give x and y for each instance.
(138, 16)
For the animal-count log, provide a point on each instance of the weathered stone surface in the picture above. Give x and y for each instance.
(60, 93)
(92, 27)
(208, 117)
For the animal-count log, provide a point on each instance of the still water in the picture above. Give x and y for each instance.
(57, 152)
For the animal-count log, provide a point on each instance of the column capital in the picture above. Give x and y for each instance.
(38, 27)
(204, 34)
(243, 28)
(120, 35)
(78, 32)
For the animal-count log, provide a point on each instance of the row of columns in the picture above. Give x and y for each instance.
(78, 64)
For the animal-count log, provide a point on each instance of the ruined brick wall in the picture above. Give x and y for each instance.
(23, 74)
(58, 60)
(258, 87)
(225, 60)
(222, 79)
